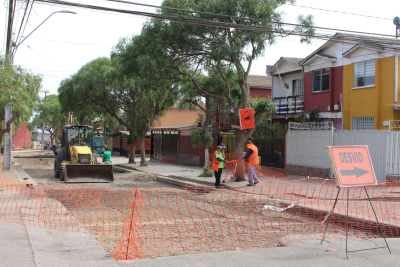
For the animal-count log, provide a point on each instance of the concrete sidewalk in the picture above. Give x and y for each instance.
(181, 175)
(306, 253)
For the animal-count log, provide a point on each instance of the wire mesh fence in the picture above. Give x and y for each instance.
(143, 223)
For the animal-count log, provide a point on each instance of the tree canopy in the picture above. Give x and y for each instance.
(49, 111)
(225, 53)
(20, 89)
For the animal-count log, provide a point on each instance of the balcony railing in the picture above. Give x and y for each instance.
(291, 105)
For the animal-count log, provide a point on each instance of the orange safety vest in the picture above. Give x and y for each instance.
(253, 159)
(215, 165)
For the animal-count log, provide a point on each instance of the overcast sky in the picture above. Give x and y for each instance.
(65, 42)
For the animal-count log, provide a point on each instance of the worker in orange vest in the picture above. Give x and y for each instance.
(218, 163)
(252, 156)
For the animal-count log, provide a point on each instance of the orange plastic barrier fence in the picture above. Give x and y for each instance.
(141, 223)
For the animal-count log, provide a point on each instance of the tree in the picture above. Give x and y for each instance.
(50, 112)
(20, 89)
(85, 113)
(94, 85)
(143, 60)
(230, 51)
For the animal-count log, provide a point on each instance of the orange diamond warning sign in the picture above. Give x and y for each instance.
(246, 118)
(351, 166)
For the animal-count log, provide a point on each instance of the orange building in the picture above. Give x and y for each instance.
(175, 116)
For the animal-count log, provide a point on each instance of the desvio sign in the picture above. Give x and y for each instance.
(351, 166)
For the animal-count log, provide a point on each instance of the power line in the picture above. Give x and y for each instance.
(22, 22)
(335, 11)
(199, 21)
(203, 22)
(48, 59)
(235, 17)
(63, 42)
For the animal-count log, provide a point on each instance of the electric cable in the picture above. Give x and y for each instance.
(335, 11)
(198, 21)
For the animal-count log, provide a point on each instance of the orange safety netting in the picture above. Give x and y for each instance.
(142, 223)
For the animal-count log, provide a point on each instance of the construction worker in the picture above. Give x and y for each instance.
(218, 163)
(106, 155)
(252, 156)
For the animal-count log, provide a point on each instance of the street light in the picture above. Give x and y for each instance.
(7, 113)
(61, 11)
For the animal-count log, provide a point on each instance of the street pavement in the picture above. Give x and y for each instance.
(32, 246)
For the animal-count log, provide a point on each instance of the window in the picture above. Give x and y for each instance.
(321, 80)
(362, 123)
(364, 73)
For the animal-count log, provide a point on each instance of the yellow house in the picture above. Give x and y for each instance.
(371, 83)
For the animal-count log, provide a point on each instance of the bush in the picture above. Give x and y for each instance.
(24, 147)
(32, 145)
(207, 173)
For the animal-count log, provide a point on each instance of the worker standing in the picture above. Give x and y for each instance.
(252, 156)
(218, 163)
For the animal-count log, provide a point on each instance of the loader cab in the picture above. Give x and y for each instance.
(73, 135)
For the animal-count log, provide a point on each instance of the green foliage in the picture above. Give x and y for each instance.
(302, 118)
(24, 147)
(20, 89)
(312, 117)
(32, 145)
(263, 106)
(201, 139)
(33, 137)
(224, 56)
(50, 112)
(206, 173)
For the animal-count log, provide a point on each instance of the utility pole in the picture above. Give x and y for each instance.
(42, 147)
(8, 110)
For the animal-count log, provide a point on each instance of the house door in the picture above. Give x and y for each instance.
(298, 88)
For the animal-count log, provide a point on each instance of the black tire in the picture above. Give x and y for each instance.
(62, 171)
(57, 163)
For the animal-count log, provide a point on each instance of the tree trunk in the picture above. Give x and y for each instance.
(240, 170)
(206, 161)
(132, 150)
(143, 150)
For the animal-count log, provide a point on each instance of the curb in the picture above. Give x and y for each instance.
(22, 174)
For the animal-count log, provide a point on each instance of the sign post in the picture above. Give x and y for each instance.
(352, 167)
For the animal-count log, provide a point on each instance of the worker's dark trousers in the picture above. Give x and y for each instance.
(218, 177)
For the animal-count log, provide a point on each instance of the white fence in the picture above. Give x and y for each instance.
(308, 148)
(393, 153)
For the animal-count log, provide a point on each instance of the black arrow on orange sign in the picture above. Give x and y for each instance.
(356, 171)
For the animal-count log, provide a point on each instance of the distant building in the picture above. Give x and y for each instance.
(260, 86)
(22, 137)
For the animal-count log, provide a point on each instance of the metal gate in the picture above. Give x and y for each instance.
(270, 141)
(156, 145)
(170, 143)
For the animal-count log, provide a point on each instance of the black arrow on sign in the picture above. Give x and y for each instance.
(356, 171)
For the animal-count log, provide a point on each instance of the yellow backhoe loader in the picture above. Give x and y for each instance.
(75, 161)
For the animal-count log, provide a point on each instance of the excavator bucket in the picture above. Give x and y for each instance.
(88, 173)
